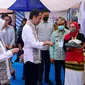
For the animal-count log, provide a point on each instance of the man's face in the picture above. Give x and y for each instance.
(24, 22)
(61, 25)
(37, 19)
(41, 14)
(7, 21)
(45, 16)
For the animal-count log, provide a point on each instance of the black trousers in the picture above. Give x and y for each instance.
(30, 73)
(58, 65)
(44, 66)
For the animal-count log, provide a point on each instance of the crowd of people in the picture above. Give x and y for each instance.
(40, 43)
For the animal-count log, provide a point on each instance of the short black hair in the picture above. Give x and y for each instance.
(34, 12)
(4, 15)
(10, 20)
(45, 10)
(24, 19)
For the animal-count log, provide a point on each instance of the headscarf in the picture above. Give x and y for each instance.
(73, 34)
(76, 54)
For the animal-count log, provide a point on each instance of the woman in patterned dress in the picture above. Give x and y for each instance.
(74, 61)
(4, 64)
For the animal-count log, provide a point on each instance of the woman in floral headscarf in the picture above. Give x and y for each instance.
(74, 62)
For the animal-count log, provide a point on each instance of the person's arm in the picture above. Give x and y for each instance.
(52, 49)
(13, 37)
(67, 48)
(1, 34)
(82, 38)
(8, 54)
(64, 47)
(19, 39)
(19, 33)
(29, 38)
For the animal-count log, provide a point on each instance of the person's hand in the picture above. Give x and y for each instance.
(82, 46)
(47, 43)
(69, 48)
(52, 60)
(15, 50)
(50, 43)
(10, 47)
(7, 46)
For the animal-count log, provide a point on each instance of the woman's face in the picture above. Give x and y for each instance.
(72, 28)
(7, 20)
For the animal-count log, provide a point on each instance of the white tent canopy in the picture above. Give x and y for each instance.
(52, 5)
(5, 4)
(59, 5)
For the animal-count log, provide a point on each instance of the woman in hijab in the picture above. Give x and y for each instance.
(74, 61)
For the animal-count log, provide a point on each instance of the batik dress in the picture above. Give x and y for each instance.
(4, 65)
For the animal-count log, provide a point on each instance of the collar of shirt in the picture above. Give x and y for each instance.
(33, 29)
(8, 26)
(29, 23)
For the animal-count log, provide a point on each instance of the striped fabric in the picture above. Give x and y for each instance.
(19, 17)
(75, 66)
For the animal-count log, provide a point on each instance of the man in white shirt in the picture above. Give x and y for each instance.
(31, 47)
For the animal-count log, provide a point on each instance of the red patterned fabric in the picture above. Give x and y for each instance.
(76, 54)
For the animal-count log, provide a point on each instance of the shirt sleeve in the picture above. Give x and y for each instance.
(6, 55)
(13, 37)
(29, 39)
(52, 47)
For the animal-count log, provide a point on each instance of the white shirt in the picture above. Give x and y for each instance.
(29, 43)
